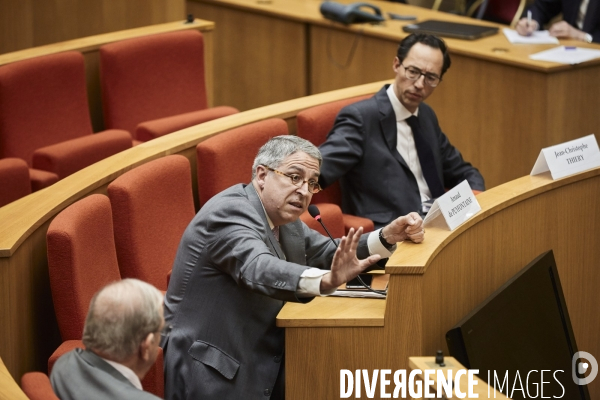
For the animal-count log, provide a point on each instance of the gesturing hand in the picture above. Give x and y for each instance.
(408, 227)
(345, 265)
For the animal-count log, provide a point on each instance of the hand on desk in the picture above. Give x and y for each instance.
(345, 265)
(525, 27)
(563, 30)
(408, 227)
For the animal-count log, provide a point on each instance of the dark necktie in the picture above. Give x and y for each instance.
(425, 158)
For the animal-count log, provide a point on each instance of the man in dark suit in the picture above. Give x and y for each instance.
(388, 151)
(121, 335)
(241, 258)
(581, 19)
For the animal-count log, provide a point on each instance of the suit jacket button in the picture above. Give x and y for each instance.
(267, 392)
(277, 359)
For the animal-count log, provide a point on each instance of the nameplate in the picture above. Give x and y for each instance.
(568, 158)
(457, 206)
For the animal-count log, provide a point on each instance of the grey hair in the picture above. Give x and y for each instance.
(120, 317)
(272, 153)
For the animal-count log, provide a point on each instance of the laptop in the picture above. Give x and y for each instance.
(451, 29)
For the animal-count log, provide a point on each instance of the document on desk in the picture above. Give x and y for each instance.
(566, 55)
(357, 293)
(537, 37)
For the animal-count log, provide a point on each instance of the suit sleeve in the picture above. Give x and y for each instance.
(455, 168)
(239, 250)
(544, 10)
(343, 148)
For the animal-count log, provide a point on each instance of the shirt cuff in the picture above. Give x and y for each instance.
(375, 246)
(310, 283)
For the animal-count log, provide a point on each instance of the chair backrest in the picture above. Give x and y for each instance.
(43, 101)
(152, 205)
(36, 385)
(332, 218)
(81, 260)
(313, 124)
(14, 180)
(503, 11)
(152, 77)
(227, 158)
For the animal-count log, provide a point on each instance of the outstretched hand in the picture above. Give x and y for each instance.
(407, 227)
(345, 265)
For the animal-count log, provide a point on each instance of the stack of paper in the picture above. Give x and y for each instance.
(537, 37)
(566, 55)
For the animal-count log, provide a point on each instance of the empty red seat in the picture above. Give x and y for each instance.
(14, 180)
(44, 118)
(154, 85)
(152, 205)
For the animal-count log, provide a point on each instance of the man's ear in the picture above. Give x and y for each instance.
(145, 346)
(261, 174)
(396, 64)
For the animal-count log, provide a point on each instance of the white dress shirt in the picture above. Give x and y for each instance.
(406, 143)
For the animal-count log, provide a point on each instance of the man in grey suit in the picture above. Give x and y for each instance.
(121, 335)
(241, 258)
(389, 152)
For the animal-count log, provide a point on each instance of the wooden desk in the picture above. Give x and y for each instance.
(90, 46)
(495, 104)
(433, 285)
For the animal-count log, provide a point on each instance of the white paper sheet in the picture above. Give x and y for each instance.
(537, 37)
(566, 55)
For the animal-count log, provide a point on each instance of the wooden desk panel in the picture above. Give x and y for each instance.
(435, 284)
(260, 60)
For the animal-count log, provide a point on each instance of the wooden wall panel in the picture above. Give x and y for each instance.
(273, 49)
(28, 23)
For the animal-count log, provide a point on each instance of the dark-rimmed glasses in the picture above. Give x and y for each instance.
(414, 73)
(313, 186)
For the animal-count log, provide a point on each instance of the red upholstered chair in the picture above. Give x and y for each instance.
(82, 259)
(152, 205)
(44, 118)
(14, 180)
(154, 85)
(227, 158)
(505, 12)
(216, 172)
(313, 124)
(36, 385)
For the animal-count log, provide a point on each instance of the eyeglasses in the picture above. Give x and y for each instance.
(313, 186)
(414, 73)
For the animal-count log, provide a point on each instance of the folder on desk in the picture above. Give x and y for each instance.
(451, 29)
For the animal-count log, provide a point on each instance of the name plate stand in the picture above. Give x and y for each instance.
(457, 205)
(568, 158)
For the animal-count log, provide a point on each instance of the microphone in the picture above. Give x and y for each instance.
(316, 214)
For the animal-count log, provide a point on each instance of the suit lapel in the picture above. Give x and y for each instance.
(292, 242)
(257, 204)
(389, 127)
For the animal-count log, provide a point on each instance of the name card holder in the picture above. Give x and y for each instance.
(568, 158)
(457, 206)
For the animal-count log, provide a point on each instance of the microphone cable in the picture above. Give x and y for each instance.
(314, 212)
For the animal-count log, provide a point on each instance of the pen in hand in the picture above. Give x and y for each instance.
(529, 32)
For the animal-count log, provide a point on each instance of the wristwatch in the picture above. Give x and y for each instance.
(383, 241)
(588, 38)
